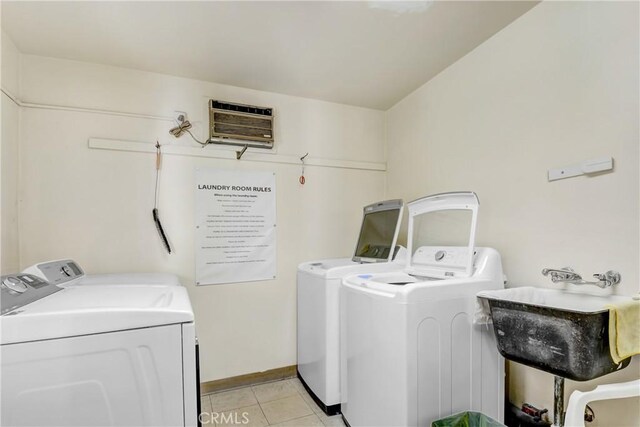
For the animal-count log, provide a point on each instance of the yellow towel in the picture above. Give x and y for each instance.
(624, 330)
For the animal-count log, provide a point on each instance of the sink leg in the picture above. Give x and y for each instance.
(558, 401)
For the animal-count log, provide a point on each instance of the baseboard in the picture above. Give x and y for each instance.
(248, 379)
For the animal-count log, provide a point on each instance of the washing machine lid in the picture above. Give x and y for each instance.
(441, 234)
(83, 310)
(338, 268)
(379, 231)
(325, 267)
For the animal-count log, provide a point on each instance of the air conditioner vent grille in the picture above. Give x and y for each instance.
(239, 120)
(240, 108)
(231, 131)
(239, 124)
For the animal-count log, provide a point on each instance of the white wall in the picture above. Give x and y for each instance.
(95, 205)
(557, 86)
(9, 159)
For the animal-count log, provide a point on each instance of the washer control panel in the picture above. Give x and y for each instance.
(443, 257)
(18, 290)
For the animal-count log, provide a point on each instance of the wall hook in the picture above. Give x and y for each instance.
(241, 152)
(302, 179)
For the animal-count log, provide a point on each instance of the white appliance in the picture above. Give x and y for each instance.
(96, 355)
(410, 352)
(318, 284)
(67, 273)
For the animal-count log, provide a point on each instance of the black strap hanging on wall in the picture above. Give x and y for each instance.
(156, 217)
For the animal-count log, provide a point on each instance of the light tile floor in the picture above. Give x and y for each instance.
(278, 403)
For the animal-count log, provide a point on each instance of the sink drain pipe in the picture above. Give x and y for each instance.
(558, 401)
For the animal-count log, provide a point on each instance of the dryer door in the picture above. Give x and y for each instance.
(128, 378)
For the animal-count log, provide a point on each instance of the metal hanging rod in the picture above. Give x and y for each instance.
(83, 109)
(169, 149)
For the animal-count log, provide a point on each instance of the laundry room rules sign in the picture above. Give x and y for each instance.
(235, 226)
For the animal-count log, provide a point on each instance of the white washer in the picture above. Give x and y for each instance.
(97, 355)
(318, 284)
(410, 351)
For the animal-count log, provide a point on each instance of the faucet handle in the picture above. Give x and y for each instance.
(561, 275)
(552, 271)
(609, 278)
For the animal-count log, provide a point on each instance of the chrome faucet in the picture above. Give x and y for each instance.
(567, 275)
(561, 275)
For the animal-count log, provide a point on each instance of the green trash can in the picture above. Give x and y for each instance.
(467, 419)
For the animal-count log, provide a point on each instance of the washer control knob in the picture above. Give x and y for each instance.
(14, 284)
(440, 255)
(66, 271)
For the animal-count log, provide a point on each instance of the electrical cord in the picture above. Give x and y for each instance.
(183, 126)
(204, 144)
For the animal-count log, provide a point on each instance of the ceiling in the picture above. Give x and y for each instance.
(370, 54)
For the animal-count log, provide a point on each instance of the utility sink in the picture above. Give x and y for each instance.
(560, 332)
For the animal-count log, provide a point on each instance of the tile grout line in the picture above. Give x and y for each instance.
(211, 422)
(299, 418)
(286, 397)
(259, 405)
(297, 392)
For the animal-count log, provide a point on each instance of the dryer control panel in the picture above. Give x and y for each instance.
(59, 272)
(18, 290)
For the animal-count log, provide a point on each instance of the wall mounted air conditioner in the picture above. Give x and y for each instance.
(239, 124)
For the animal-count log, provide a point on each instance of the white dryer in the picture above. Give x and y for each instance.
(96, 355)
(410, 351)
(67, 272)
(318, 284)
